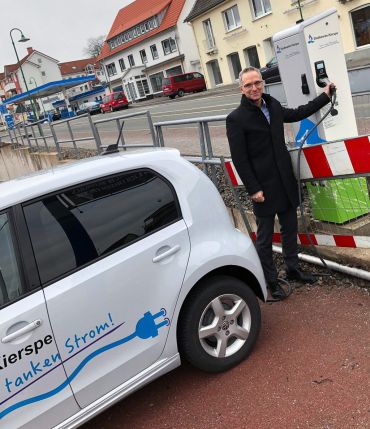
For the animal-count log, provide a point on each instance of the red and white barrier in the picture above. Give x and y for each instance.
(331, 159)
(326, 240)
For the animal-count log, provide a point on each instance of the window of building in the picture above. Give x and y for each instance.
(143, 56)
(251, 57)
(39, 60)
(73, 228)
(111, 69)
(361, 25)
(214, 71)
(174, 71)
(130, 59)
(169, 45)
(43, 73)
(234, 64)
(231, 18)
(156, 81)
(154, 51)
(10, 281)
(121, 63)
(260, 7)
(210, 40)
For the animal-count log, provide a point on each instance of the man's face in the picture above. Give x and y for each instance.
(252, 85)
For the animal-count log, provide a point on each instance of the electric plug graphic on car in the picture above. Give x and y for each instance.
(147, 327)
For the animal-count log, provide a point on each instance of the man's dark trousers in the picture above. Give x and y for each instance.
(265, 229)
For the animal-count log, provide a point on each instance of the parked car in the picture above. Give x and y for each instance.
(270, 73)
(182, 83)
(111, 270)
(92, 107)
(114, 101)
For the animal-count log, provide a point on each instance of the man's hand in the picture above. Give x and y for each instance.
(329, 89)
(258, 197)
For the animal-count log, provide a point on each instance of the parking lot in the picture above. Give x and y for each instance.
(309, 370)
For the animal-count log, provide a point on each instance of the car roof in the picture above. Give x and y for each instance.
(46, 181)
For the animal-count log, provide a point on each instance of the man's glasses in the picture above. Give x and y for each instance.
(257, 84)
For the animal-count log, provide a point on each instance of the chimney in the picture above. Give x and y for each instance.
(29, 51)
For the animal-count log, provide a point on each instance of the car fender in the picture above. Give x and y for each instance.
(221, 257)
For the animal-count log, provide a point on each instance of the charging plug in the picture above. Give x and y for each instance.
(146, 326)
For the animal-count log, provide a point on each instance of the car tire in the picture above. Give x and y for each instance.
(230, 336)
(180, 92)
(172, 96)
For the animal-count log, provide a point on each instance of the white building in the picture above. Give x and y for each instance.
(146, 43)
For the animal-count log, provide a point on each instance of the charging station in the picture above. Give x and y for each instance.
(309, 55)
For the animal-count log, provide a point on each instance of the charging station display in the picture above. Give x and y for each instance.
(309, 55)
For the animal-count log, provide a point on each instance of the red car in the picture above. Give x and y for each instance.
(114, 101)
(182, 83)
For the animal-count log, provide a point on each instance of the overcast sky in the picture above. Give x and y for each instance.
(59, 29)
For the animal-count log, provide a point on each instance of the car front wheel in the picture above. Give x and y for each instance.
(219, 324)
(180, 92)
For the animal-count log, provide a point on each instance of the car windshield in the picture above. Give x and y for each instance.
(166, 81)
(272, 62)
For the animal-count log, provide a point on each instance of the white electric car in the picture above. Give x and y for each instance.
(111, 269)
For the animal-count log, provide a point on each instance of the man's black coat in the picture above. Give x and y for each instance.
(259, 152)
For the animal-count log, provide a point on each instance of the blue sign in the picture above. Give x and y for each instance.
(3, 109)
(9, 121)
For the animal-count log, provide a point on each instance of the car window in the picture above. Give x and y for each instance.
(10, 281)
(180, 78)
(105, 99)
(118, 96)
(166, 81)
(77, 226)
(198, 75)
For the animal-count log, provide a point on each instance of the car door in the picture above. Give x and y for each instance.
(34, 391)
(121, 248)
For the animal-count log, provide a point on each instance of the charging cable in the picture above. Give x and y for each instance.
(333, 112)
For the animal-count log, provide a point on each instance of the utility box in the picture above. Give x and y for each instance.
(309, 55)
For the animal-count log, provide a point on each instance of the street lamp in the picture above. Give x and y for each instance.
(42, 104)
(22, 39)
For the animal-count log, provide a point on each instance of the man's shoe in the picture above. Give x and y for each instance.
(300, 276)
(277, 292)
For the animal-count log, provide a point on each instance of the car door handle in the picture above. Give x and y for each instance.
(167, 253)
(28, 328)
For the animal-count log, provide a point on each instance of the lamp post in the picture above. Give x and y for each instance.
(22, 39)
(42, 104)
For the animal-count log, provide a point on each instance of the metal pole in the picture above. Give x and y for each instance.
(42, 104)
(23, 39)
(300, 10)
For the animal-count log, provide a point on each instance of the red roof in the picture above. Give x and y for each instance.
(134, 14)
(77, 66)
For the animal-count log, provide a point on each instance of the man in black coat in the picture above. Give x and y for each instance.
(255, 131)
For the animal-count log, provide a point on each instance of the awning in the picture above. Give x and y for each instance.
(85, 94)
(49, 89)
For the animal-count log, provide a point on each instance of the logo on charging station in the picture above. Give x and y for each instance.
(310, 39)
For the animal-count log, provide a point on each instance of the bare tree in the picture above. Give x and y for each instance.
(94, 46)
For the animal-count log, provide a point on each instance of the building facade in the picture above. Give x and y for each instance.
(38, 69)
(233, 34)
(147, 43)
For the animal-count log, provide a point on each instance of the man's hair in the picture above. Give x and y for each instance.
(246, 70)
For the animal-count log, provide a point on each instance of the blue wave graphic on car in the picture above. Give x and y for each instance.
(146, 327)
